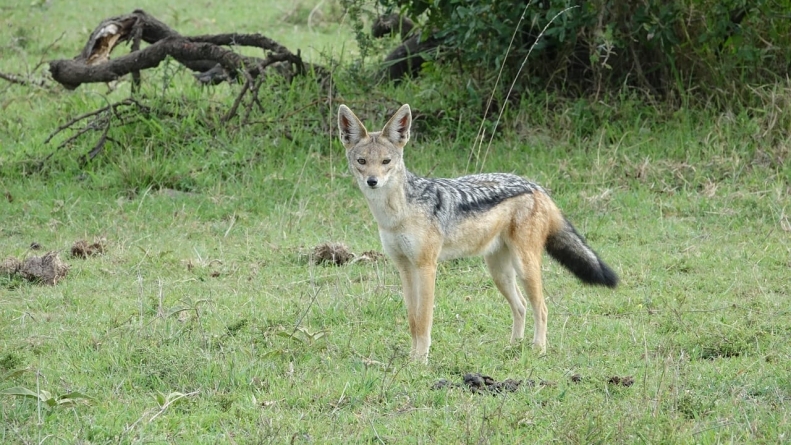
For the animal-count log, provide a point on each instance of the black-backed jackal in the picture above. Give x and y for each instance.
(508, 220)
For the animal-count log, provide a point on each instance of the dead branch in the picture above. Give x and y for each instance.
(198, 53)
(99, 146)
(109, 116)
(232, 112)
(69, 124)
(211, 57)
(13, 79)
(18, 80)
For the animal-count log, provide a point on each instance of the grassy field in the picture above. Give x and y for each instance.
(205, 322)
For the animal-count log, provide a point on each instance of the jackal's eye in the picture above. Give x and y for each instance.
(385, 161)
(361, 161)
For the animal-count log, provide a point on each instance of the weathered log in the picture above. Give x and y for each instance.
(199, 53)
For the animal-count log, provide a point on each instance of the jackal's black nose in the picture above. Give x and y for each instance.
(371, 181)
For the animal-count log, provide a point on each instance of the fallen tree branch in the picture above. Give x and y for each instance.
(211, 57)
(198, 53)
(18, 80)
(14, 79)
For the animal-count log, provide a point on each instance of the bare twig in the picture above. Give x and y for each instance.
(97, 148)
(89, 127)
(104, 118)
(45, 51)
(77, 119)
(18, 80)
(232, 112)
(104, 109)
(137, 34)
(253, 100)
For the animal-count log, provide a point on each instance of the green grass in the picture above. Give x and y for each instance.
(204, 323)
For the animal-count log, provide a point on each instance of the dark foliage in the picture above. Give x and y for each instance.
(665, 48)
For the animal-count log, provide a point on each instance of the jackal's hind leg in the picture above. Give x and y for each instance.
(530, 275)
(502, 270)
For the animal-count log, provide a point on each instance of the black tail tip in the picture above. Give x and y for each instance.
(608, 277)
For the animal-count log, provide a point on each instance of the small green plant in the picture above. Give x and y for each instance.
(302, 335)
(46, 398)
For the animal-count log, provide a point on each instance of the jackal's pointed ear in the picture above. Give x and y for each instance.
(350, 128)
(397, 128)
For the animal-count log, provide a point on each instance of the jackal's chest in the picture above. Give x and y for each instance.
(400, 244)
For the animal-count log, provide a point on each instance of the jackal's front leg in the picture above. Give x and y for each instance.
(418, 287)
(408, 274)
(424, 314)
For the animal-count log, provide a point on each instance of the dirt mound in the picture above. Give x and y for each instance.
(338, 254)
(47, 269)
(621, 381)
(479, 383)
(331, 253)
(370, 255)
(10, 266)
(82, 249)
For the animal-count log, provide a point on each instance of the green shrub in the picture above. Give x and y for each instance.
(666, 48)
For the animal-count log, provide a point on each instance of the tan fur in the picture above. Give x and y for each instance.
(511, 235)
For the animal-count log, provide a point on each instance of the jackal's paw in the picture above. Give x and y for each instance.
(516, 349)
(517, 340)
(539, 348)
(421, 358)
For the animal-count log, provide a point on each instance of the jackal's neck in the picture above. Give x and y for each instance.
(389, 203)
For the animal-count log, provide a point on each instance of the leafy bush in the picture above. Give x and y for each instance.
(667, 48)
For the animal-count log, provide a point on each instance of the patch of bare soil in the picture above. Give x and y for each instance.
(47, 269)
(83, 249)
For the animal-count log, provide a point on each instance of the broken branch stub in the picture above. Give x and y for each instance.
(199, 53)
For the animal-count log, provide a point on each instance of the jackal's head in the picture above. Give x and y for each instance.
(375, 158)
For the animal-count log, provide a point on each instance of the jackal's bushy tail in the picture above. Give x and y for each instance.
(569, 249)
